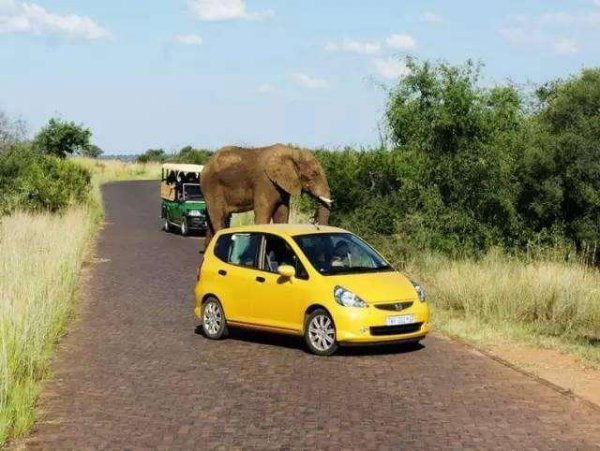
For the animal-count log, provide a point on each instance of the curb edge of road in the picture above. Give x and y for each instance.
(563, 391)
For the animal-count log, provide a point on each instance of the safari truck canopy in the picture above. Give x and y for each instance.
(170, 173)
(177, 167)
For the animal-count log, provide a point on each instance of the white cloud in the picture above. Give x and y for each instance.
(352, 46)
(565, 46)
(550, 31)
(401, 41)
(29, 18)
(188, 39)
(430, 17)
(215, 10)
(309, 82)
(266, 89)
(391, 68)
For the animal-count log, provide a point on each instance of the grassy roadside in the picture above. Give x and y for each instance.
(42, 255)
(545, 301)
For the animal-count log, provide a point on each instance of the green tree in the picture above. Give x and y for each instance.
(464, 139)
(194, 156)
(152, 155)
(93, 151)
(61, 138)
(561, 166)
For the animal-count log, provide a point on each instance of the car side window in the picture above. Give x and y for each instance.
(222, 247)
(244, 249)
(278, 252)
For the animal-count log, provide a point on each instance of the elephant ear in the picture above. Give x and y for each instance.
(283, 172)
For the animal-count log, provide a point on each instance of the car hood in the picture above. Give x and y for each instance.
(195, 204)
(375, 288)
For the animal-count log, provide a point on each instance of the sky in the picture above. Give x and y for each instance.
(208, 73)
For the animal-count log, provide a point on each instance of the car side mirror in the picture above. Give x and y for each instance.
(286, 271)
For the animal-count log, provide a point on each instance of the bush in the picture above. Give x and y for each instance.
(470, 168)
(34, 182)
(152, 155)
(193, 156)
(61, 138)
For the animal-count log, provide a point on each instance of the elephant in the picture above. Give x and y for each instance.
(238, 179)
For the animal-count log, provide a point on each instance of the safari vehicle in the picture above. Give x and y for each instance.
(322, 283)
(182, 204)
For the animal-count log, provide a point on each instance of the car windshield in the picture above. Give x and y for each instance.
(340, 253)
(191, 191)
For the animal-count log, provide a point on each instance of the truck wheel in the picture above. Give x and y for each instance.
(184, 227)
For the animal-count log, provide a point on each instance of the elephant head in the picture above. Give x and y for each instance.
(297, 171)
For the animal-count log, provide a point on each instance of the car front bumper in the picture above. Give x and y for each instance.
(368, 325)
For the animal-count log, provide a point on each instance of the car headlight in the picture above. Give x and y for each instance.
(347, 298)
(194, 213)
(420, 291)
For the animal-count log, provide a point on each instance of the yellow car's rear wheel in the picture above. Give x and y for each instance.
(319, 333)
(214, 323)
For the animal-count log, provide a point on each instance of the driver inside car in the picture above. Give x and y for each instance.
(341, 255)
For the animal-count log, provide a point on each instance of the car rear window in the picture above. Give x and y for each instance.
(222, 247)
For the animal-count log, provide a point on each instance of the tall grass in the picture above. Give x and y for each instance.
(115, 170)
(39, 279)
(546, 299)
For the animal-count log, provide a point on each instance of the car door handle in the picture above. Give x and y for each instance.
(222, 272)
(260, 279)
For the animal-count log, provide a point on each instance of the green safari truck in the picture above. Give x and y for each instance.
(183, 207)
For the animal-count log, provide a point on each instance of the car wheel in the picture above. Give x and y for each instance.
(166, 225)
(319, 333)
(184, 227)
(214, 324)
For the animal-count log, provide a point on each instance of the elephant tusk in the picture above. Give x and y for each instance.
(326, 200)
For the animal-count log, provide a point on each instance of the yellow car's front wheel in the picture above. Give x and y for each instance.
(319, 333)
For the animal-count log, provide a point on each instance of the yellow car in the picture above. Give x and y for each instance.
(323, 283)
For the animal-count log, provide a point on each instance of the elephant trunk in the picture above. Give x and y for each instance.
(323, 214)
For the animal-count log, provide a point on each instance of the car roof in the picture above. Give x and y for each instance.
(285, 229)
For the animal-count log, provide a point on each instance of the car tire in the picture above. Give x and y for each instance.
(166, 225)
(214, 323)
(184, 228)
(319, 333)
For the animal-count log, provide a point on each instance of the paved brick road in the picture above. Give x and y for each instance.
(133, 374)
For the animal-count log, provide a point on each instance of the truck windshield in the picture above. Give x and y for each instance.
(340, 253)
(191, 191)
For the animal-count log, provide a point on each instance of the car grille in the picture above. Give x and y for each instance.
(396, 330)
(395, 306)
(196, 222)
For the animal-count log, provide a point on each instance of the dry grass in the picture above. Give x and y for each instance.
(546, 302)
(39, 277)
(115, 170)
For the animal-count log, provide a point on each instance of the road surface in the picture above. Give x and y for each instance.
(133, 372)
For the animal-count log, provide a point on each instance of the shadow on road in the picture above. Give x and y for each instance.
(291, 342)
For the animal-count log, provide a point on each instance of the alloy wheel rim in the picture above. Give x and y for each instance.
(212, 319)
(321, 333)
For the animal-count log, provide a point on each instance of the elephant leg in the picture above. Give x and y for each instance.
(282, 214)
(217, 220)
(263, 214)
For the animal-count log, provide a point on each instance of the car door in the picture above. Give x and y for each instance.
(279, 302)
(238, 274)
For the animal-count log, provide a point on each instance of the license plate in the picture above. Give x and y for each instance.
(399, 320)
